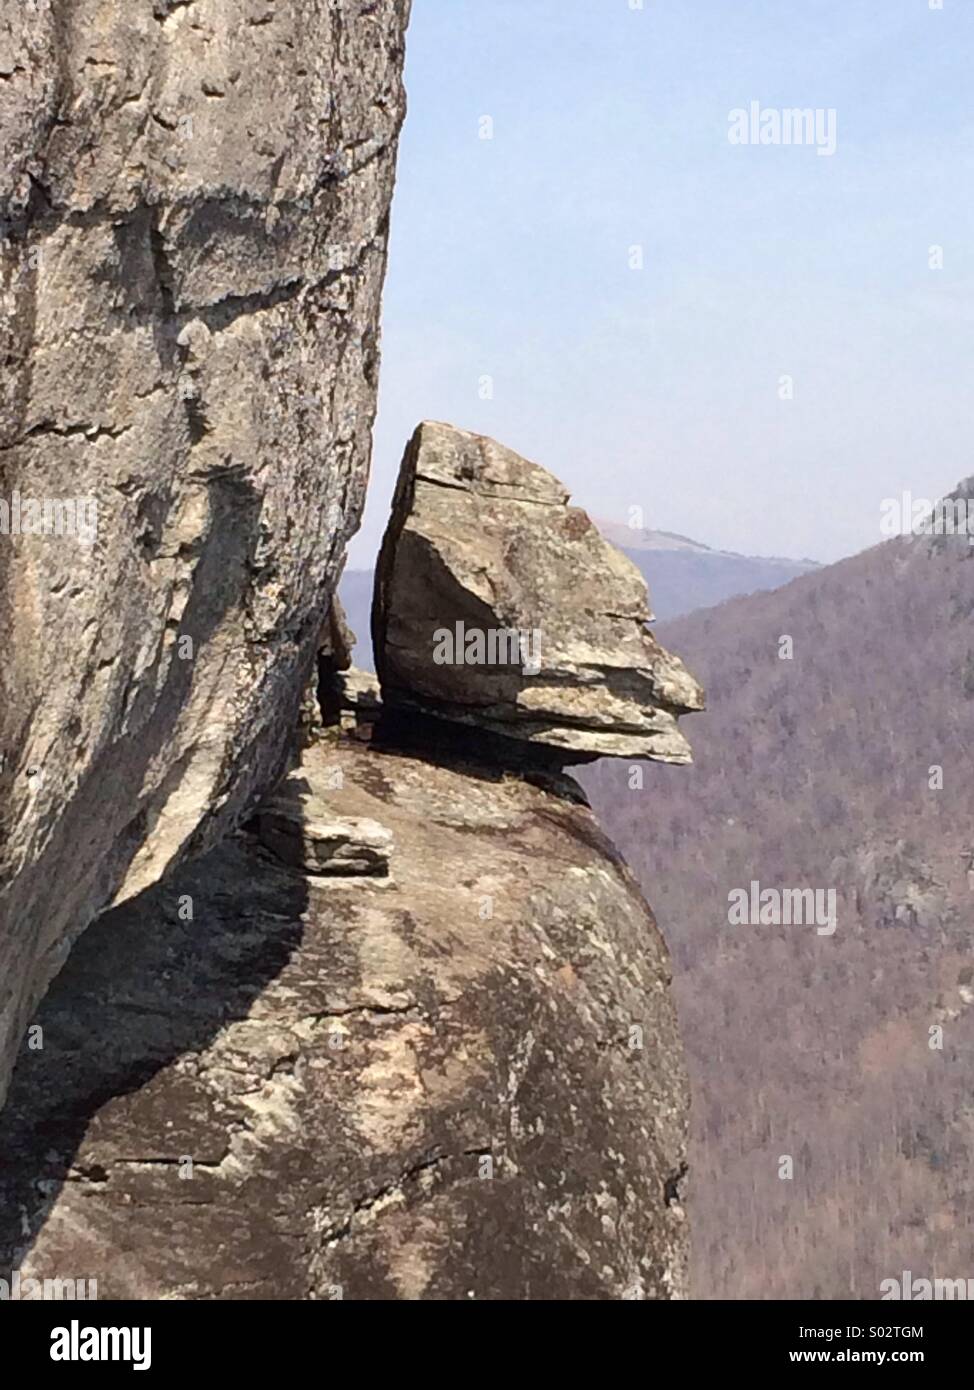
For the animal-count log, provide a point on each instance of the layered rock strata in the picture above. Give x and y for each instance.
(498, 605)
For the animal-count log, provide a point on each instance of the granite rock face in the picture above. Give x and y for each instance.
(499, 605)
(462, 1082)
(194, 205)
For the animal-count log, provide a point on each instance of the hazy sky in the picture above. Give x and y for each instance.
(659, 387)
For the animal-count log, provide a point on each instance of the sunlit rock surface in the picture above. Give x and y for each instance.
(498, 604)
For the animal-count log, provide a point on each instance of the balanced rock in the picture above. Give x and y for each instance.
(499, 605)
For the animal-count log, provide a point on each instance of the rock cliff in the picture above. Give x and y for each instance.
(455, 1076)
(408, 1033)
(373, 1008)
(194, 204)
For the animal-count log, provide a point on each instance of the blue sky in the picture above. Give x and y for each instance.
(659, 388)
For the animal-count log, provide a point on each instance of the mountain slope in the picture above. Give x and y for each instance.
(820, 771)
(681, 581)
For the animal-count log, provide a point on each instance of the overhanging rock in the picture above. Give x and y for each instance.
(499, 605)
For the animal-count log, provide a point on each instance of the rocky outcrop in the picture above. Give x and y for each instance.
(499, 605)
(894, 886)
(408, 1033)
(194, 204)
(462, 1080)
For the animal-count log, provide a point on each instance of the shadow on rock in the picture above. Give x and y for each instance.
(109, 1023)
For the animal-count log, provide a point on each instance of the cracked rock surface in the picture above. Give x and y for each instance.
(194, 205)
(499, 605)
(464, 1082)
(300, 826)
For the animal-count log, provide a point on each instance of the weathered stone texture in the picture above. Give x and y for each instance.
(462, 1082)
(482, 541)
(194, 205)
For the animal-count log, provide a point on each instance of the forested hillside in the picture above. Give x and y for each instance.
(823, 770)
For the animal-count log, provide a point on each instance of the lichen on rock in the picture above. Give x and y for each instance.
(464, 1082)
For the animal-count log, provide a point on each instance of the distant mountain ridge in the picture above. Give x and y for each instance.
(630, 538)
(633, 538)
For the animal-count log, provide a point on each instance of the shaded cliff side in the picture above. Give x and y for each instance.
(194, 206)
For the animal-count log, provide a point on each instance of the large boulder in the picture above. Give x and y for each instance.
(458, 1078)
(194, 206)
(499, 605)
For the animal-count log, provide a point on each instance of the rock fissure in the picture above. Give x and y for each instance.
(365, 1207)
